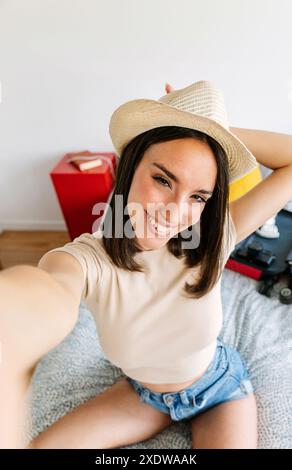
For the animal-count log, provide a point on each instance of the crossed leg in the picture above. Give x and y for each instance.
(229, 425)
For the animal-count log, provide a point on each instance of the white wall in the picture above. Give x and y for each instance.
(66, 65)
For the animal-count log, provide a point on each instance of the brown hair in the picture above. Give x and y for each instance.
(210, 251)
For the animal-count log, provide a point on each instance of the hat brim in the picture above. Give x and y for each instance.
(137, 116)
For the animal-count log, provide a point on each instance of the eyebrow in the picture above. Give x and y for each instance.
(175, 178)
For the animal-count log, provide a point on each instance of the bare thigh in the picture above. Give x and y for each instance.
(229, 425)
(115, 418)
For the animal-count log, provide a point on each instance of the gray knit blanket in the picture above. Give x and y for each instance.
(260, 328)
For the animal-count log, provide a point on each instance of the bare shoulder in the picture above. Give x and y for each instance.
(262, 202)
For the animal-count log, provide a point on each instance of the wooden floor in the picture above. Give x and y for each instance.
(23, 247)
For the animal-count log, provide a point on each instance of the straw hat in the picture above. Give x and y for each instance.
(198, 106)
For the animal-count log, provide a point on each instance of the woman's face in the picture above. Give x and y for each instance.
(173, 206)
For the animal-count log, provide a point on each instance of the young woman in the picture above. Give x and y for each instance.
(154, 291)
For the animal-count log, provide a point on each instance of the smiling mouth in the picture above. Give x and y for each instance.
(158, 228)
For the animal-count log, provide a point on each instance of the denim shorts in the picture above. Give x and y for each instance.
(225, 379)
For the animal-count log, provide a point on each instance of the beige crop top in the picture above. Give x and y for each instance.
(144, 325)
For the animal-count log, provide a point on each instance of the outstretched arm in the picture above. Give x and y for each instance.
(38, 308)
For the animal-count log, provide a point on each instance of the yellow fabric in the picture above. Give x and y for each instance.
(246, 183)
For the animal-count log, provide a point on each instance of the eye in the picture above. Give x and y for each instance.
(202, 200)
(160, 179)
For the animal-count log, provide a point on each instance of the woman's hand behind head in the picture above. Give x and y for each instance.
(168, 88)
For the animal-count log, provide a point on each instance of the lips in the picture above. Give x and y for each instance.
(164, 224)
(158, 229)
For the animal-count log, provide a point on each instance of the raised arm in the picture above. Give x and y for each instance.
(271, 149)
(267, 198)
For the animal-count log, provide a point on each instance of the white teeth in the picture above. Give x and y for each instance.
(161, 230)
